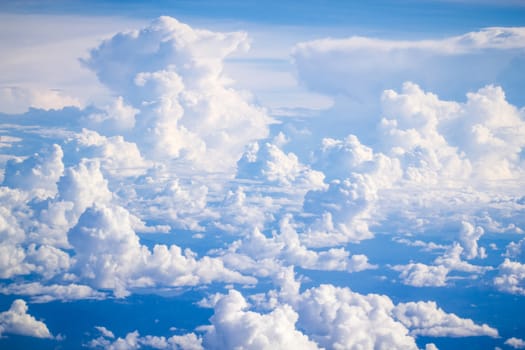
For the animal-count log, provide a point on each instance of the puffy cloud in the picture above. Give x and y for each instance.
(447, 140)
(468, 238)
(516, 343)
(263, 255)
(511, 277)
(108, 254)
(269, 162)
(133, 340)
(79, 187)
(241, 211)
(421, 275)
(343, 210)
(338, 318)
(16, 320)
(516, 250)
(117, 156)
(114, 117)
(48, 260)
(235, 327)
(40, 293)
(12, 261)
(427, 319)
(172, 74)
(38, 174)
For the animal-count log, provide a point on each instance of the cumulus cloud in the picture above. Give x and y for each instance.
(16, 320)
(269, 162)
(108, 254)
(170, 78)
(446, 141)
(468, 237)
(422, 275)
(516, 343)
(232, 326)
(117, 156)
(133, 340)
(38, 173)
(427, 319)
(335, 317)
(263, 255)
(339, 318)
(511, 277)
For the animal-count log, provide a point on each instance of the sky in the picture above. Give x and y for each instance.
(249, 175)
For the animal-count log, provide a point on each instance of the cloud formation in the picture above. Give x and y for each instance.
(16, 320)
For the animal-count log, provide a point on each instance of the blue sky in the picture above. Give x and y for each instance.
(238, 174)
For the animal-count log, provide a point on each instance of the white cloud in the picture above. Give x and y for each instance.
(516, 250)
(133, 340)
(16, 320)
(511, 277)
(108, 255)
(343, 210)
(17, 100)
(468, 238)
(361, 67)
(235, 327)
(263, 255)
(114, 117)
(421, 275)
(427, 319)
(40, 293)
(116, 155)
(339, 318)
(105, 332)
(275, 166)
(516, 343)
(172, 74)
(37, 174)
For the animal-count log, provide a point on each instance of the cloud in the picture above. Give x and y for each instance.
(422, 275)
(270, 163)
(427, 319)
(40, 293)
(263, 255)
(339, 318)
(16, 320)
(17, 100)
(335, 317)
(133, 340)
(446, 141)
(117, 156)
(105, 332)
(38, 173)
(511, 277)
(361, 67)
(170, 76)
(516, 343)
(234, 327)
(108, 255)
(468, 237)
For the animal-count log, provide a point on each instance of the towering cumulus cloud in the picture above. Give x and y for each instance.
(174, 99)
